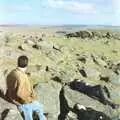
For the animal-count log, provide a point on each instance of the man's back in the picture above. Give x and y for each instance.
(19, 89)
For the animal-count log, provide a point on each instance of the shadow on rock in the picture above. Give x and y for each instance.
(64, 108)
(3, 96)
(4, 114)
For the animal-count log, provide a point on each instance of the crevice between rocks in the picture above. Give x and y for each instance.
(4, 114)
(64, 108)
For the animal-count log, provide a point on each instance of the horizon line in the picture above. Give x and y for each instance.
(57, 25)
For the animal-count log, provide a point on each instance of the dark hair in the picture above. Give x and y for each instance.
(22, 61)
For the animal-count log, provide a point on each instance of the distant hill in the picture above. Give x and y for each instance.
(12, 25)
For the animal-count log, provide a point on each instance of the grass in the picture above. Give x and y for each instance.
(62, 64)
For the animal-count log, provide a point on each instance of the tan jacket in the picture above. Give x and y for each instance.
(19, 89)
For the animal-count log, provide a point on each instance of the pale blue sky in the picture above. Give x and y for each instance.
(58, 12)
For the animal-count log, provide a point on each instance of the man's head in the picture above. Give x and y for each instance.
(23, 61)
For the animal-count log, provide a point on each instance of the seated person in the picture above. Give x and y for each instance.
(86, 113)
(96, 92)
(20, 91)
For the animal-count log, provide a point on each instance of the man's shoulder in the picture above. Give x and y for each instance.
(11, 75)
(15, 72)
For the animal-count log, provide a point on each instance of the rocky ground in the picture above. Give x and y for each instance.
(56, 59)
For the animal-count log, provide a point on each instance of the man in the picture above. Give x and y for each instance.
(96, 92)
(20, 92)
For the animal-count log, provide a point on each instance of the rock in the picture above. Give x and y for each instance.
(96, 34)
(108, 35)
(57, 79)
(85, 34)
(82, 59)
(83, 73)
(61, 32)
(115, 79)
(70, 35)
(43, 35)
(36, 37)
(36, 46)
(105, 78)
(99, 61)
(85, 58)
(47, 69)
(116, 36)
(2, 81)
(89, 72)
(115, 51)
(40, 39)
(8, 111)
(48, 95)
(23, 36)
(13, 115)
(82, 34)
(21, 47)
(30, 42)
(46, 46)
(107, 42)
(7, 39)
(38, 67)
(92, 72)
(71, 116)
(108, 74)
(56, 48)
(115, 68)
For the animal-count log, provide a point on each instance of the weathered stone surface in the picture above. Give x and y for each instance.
(30, 42)
(8, 111)
(35, 46)
(82, 34)
(71, 116)
(92, 72)
(99, 61)
(48, 94)
(89, 72)
(113, 77)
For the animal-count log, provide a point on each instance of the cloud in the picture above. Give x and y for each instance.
(116, 6)
(116, 9)
(73, 6)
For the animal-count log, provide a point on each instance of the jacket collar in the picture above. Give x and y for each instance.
(21, 69)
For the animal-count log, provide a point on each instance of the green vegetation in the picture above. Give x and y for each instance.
(63, 61)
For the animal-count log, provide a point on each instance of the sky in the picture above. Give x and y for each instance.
(60, 12)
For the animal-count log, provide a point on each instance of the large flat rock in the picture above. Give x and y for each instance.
(48, 94)
(8, 111)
